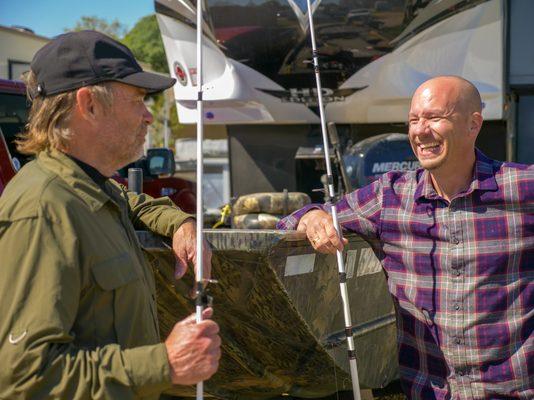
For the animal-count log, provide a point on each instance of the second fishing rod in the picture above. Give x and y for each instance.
(330, 182)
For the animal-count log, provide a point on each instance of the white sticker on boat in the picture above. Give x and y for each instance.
(351, 262)
(297, 265)
(369, 263)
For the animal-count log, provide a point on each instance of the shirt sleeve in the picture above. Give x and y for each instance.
(358, 211)
(40, 290)
(159, 215)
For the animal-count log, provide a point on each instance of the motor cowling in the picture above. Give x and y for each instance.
(366, 160)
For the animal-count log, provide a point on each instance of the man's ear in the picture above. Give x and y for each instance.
(475, 124)
(85, 104)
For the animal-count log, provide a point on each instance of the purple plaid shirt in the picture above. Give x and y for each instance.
(461, 275)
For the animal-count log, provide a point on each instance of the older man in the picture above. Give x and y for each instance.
(77, 297)
(456, 240)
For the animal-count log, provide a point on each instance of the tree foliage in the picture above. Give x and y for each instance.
(115, 29)
(144, 39)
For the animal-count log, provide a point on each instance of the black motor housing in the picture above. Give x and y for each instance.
(366, 160)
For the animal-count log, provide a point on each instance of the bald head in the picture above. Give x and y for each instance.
(444, 121)
(461, 94)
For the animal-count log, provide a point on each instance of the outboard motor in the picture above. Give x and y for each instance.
(368, 159)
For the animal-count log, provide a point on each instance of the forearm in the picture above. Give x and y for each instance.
(159, 215)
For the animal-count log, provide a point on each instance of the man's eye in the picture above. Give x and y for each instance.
(435, 119)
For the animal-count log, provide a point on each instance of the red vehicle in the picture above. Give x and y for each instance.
(158, 166)
(13, 116)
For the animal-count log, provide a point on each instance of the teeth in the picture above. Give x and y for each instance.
(429, 145)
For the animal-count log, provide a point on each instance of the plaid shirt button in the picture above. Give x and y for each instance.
(457, 306)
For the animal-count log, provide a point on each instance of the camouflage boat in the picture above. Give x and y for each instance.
(278, 306)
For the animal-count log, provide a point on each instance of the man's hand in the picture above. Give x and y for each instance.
(184, 245)
(193, 349)
(320, 231)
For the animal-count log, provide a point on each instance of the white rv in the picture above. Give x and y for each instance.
(259, 79)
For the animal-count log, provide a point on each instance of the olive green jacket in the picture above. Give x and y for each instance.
(77, 297)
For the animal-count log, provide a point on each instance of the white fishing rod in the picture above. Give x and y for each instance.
(199, 276)
(333, 211)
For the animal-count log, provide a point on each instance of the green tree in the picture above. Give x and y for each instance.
(115, 29)
(144, 39)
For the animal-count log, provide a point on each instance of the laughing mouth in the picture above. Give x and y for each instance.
(428, 146)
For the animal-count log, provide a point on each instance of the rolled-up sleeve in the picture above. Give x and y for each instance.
(160, 215)
(358, 211)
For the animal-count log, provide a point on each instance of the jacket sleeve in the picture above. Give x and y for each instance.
(159, 215)
(39, 291)
(358, 211)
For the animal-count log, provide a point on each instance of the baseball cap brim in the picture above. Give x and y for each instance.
(153, 83)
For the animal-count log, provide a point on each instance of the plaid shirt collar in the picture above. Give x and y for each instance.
(483, 179)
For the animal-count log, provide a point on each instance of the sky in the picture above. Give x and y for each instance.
(50, 17)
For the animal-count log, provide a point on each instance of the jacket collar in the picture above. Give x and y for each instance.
(70, 172)
(483, 179)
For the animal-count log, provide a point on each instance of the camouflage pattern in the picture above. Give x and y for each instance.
(256, 221)
(278, 203)
(281, 323)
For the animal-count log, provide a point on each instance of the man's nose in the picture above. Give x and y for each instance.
(147, 116)
(420, 127)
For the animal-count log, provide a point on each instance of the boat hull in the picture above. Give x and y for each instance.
(278, 306)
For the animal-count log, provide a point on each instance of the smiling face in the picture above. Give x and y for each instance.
(444, 121)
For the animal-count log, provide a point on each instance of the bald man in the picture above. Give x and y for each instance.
(456, 240)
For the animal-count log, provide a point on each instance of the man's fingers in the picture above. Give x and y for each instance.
(333, 235)
(326, 247)
(180, 267)
(323, 245)
(210, 328)
(207, 313)
(302, 227)
(207, 255)
(324, 237)
(191, 319)
(217, 341)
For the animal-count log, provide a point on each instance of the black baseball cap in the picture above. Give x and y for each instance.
(76, 59)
